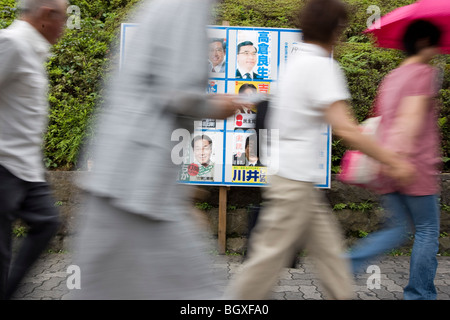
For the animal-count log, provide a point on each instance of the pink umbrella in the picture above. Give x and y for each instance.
(392, 26)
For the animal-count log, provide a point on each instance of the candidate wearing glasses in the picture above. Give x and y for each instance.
(246, 61)
(216, 55)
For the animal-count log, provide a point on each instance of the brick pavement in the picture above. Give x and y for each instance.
(49, 278)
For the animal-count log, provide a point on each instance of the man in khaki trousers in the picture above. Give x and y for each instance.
(312, 94)
(282, 229)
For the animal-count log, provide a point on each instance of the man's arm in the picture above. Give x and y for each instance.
(216, 106)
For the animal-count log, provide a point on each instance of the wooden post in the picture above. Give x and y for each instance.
(222, 227)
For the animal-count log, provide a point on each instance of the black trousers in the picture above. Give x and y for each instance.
(32, 202)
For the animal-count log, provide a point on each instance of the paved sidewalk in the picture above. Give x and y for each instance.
(49, 278)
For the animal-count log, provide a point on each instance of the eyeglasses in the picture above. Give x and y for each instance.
(215, 50)
(248, 53)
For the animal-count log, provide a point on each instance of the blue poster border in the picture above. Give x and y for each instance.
(125, 27)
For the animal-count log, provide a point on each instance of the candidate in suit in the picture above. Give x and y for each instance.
(246, 61)
(250, 157)
(216, 55)
(247, 89)
(202, 147)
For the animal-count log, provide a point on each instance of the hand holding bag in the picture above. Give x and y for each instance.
(358, 168)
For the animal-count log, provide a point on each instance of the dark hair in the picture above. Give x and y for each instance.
(201, 137)
(319, 20)
(247, 86)
(420, 30)
(247, 140)
(253, 137)
(222, 41)
(245, 43)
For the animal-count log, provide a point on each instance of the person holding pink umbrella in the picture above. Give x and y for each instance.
(406, 102)
(389, 30)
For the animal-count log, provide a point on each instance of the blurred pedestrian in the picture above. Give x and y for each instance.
(312, 93)
(138, 238)
(406, 102)
(24, 192)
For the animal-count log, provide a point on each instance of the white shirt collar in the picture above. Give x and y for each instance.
(37, 41)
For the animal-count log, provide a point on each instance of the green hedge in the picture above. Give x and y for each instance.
(79, 66)
(82, 63)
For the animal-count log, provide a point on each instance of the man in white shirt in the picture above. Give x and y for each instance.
(24, 193)
(312, 93)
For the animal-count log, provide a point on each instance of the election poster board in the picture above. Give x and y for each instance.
(241, 61)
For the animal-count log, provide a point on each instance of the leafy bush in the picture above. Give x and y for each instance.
(7, 12)
(257, 13)
(359, 15)
(80, 64)
(77, 71)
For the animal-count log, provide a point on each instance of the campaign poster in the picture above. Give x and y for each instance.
(241, 61)
(202, 162)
